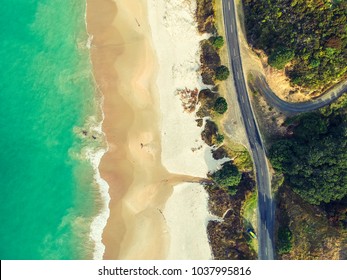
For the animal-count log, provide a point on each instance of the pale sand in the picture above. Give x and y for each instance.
(187, 217)
(176, 42)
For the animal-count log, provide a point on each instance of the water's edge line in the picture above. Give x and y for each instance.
(100, 220)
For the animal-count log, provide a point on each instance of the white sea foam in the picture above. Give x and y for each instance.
(89, 41)
(99, 222)
(94, 155)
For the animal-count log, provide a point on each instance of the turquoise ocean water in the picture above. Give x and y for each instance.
(48, 196)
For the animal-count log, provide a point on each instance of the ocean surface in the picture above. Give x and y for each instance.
(48, 193)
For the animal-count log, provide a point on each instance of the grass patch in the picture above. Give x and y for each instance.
(249, 214)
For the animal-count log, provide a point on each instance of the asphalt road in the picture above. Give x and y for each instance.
(284, 106)
(265, 229)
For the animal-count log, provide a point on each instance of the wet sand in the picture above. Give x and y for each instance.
(124, 66)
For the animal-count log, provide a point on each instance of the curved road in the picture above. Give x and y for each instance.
(265, 202)
(328, 97)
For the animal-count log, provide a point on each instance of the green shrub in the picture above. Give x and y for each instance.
(220, 105)
(227, 176)
(222, 73)
(284, 244)
(280, 58)
(217, 41)
(219, 138)
(313, 159)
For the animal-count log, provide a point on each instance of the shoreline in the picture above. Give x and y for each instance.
(94, 156)
(131, 166)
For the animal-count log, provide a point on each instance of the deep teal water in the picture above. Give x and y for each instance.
(47, 193)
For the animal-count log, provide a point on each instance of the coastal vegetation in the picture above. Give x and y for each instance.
(222, 73)
(284, 244)
(211, 69)
(217, 41)
(205, 15)
(228, 238)
(312, 201)
(314, 159)
(228, 177)
(306, 38)
(306, 231)
(221, 105)
(231, 185)
(210, 134)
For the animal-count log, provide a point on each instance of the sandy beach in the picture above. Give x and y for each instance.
(123, 65)
(153, 146)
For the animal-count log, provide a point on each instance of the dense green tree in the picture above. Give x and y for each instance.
(217, 41)
(280, 57)
(311, 126)
(312, 35)
(314, 160)
(222, 73)
(284, 244)
(227, 176)
(220, 105)
(219, 138)
(281, 154)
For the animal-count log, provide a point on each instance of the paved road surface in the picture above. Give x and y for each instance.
(265, 202)
(285, 106)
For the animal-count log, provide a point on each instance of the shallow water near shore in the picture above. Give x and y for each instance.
(48, 194)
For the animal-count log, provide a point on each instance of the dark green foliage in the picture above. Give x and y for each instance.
(284, 244)
(221, 105)
(314, 160)
(314, 34)
(311, 126)
(281, 153)
(232, 190)
(222, 73)
(217, 41)
(227, 176)
(280, 58)
(219, 138)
